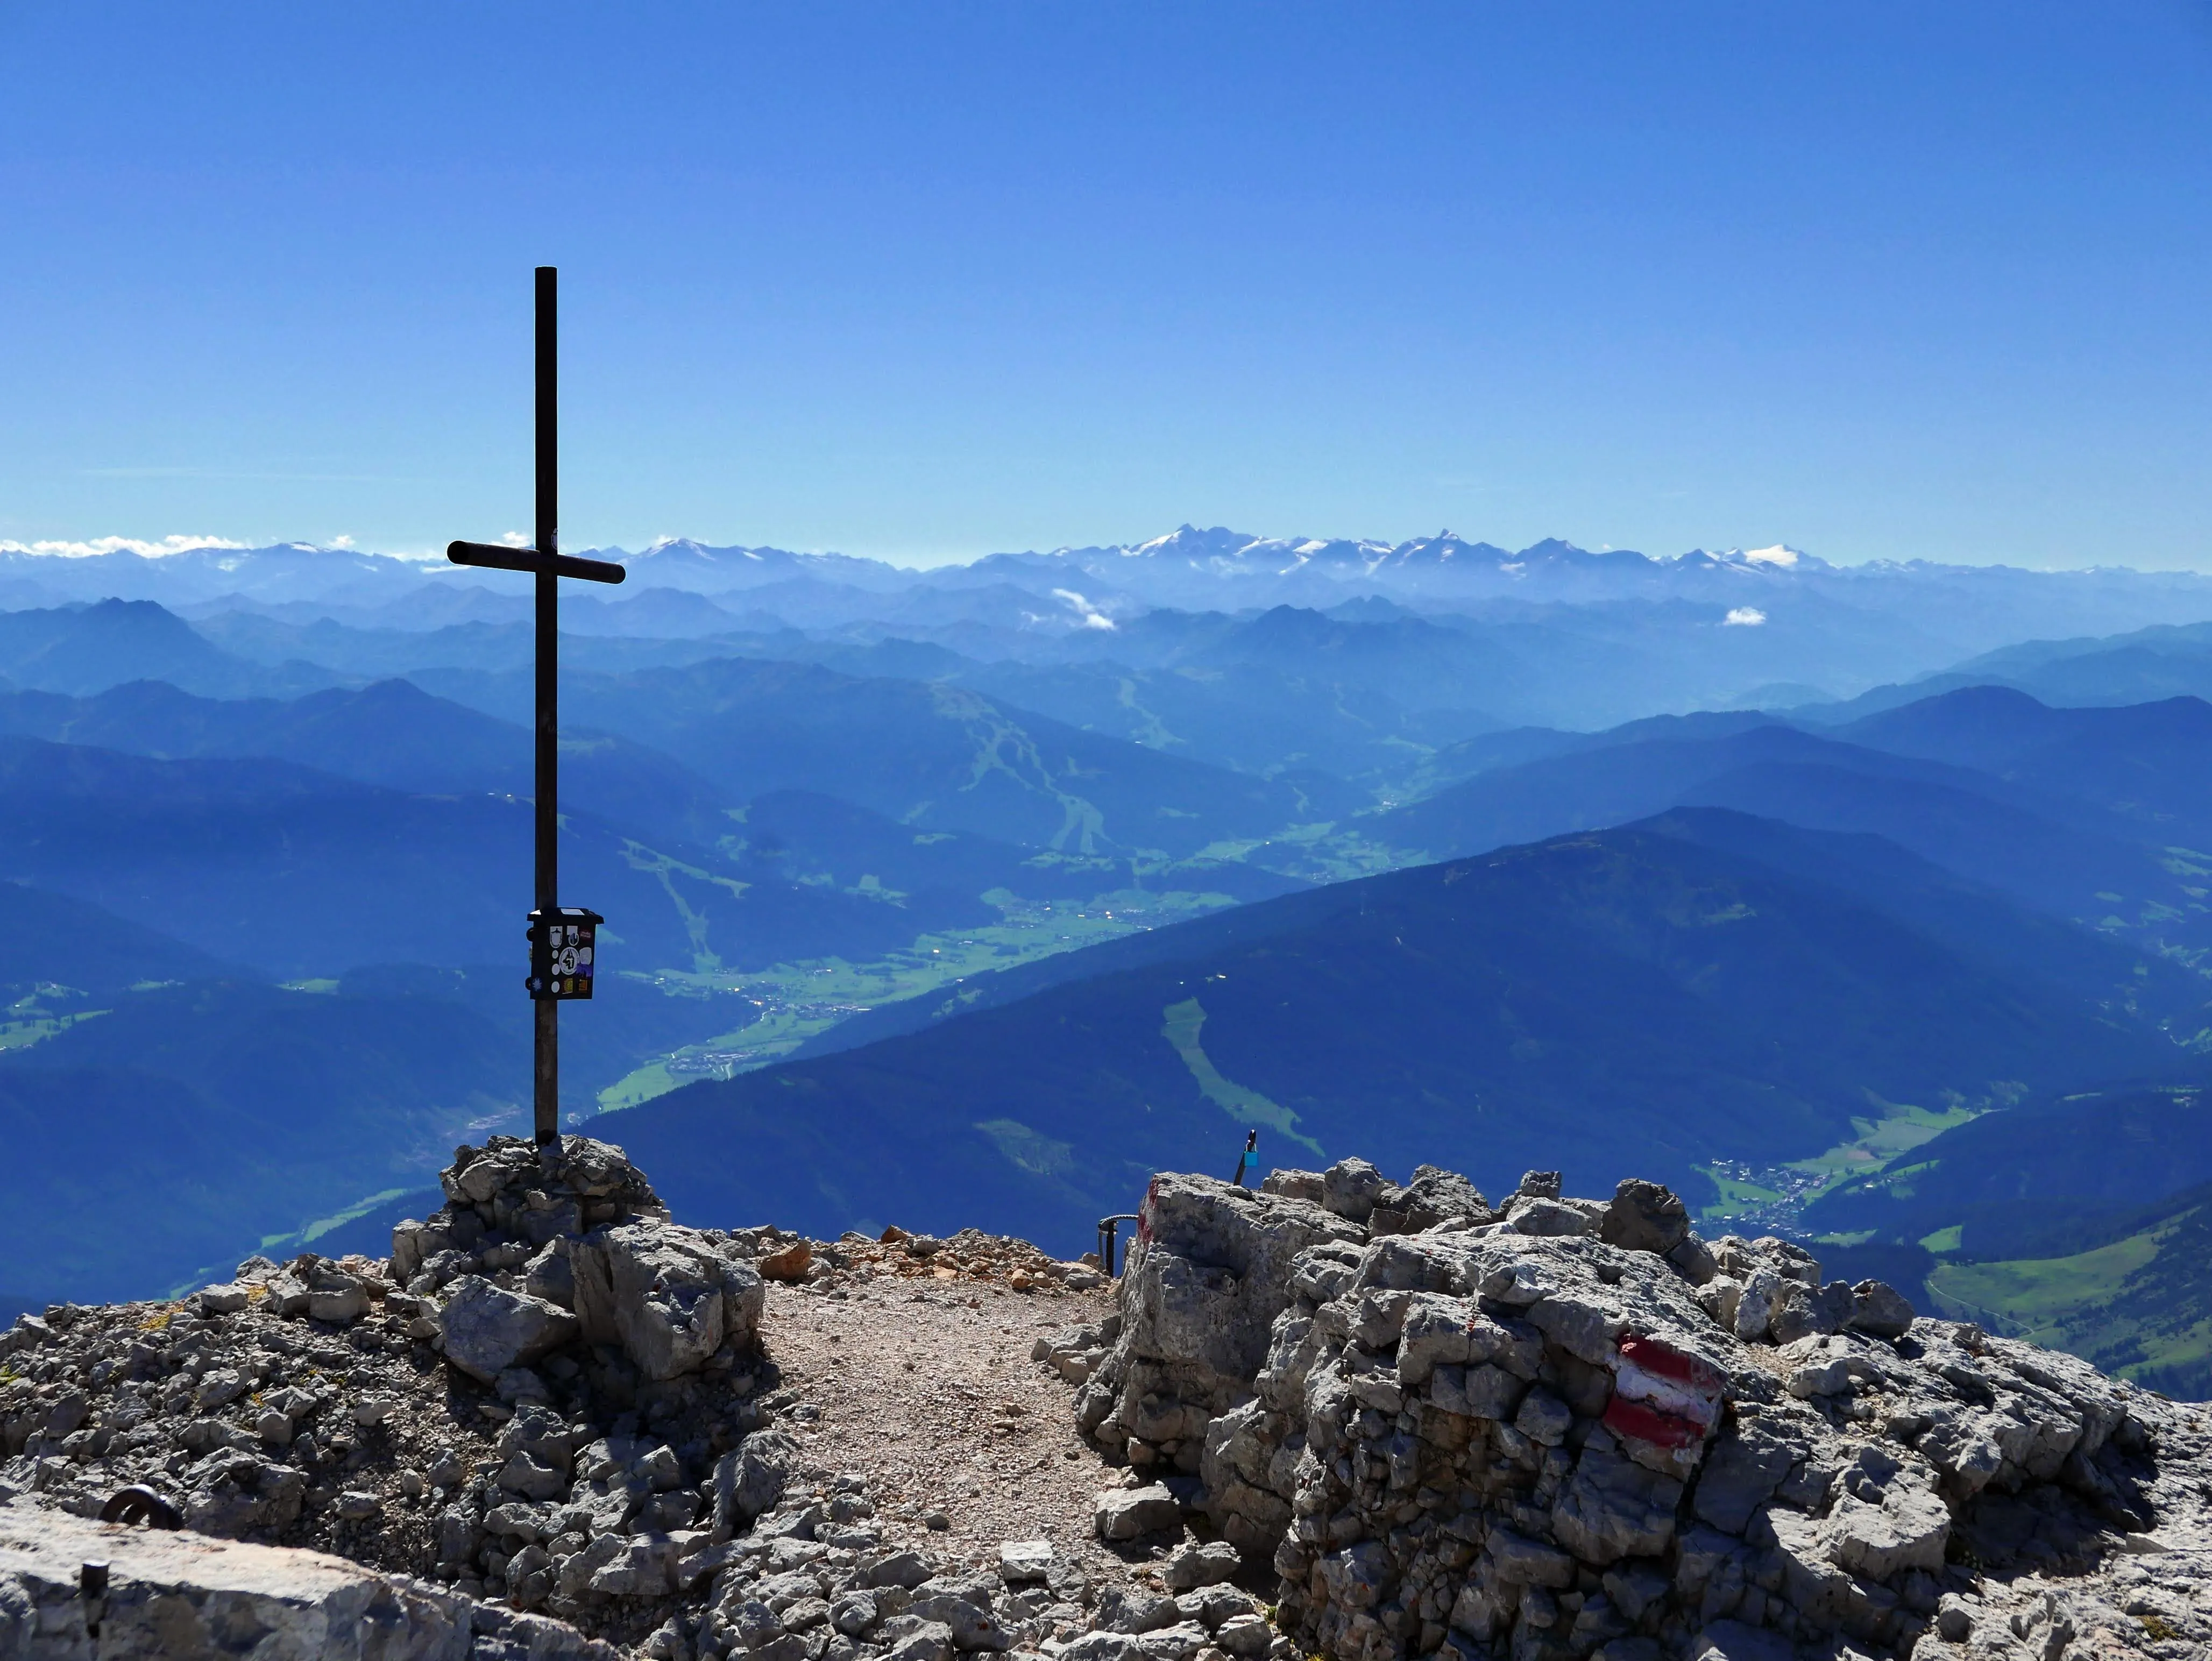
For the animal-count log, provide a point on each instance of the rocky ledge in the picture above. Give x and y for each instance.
(549, 1401)
(1338, 1416)
(1566, 1427)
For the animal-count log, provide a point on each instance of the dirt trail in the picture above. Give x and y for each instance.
(928, 1389)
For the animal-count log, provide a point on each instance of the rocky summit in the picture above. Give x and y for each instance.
(1337, 1416)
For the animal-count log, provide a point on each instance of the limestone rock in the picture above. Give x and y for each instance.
(1433, 1197)
(790, 1263)
(513, 1190)
(1804, 1310)
(1888, 1517)
(169, 1594)
(750, 1478)
(1022, 1562)
(668, 1295)
(373, 1409)
(488, 1329)
(1193, 1565)
(1881, 1311)
(1134, 1609)
(551, 1276)
(335, 1296)
(1644, 1216)
(1744, 1468)
(1351, 1187)
(1548, 1218)
(1204, 1281)
(1128, 1513)
(1607, 1437)
(1244, 1636)
(1613, 1508)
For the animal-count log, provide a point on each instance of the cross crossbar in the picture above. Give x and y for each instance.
(526, 559)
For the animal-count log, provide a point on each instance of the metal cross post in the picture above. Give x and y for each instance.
(561, 940)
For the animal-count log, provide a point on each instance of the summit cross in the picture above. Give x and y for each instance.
(562, 940)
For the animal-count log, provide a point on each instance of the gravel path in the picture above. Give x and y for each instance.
(929, 1390)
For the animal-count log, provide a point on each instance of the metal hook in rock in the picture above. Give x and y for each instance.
(140, 1504)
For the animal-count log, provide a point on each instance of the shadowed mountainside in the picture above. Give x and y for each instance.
(1657, 1001)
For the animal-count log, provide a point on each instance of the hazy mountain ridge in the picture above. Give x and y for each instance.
(1366, 689)
(937, 757)
(1216, 645)
(301, 873)
(773, 756)
(1998, 597)
(195, 1093)
(132, 1065)
(1666, 999)
(2068, 840)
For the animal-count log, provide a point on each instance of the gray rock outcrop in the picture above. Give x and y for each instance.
(1210, 1269)
(1576, 1429)
(670, 1296)
(574, 1418)
(488, 1329)
(1552, 1429)
(510, 1198)
(539, 1248)
(162, 1594)
(596, 1360)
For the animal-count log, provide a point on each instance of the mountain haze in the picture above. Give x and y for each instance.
(1669, 1002)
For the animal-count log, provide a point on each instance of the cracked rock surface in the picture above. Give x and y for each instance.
(1342, 1417)
(1564, 1427)
(553, 1418)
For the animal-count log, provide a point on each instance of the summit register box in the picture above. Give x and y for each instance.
(564, 943)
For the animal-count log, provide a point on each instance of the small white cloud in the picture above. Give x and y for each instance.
(515, 538)
(341, 542)
(1091, 615)
(98, 545)
(1744, 616)
(1777, 554)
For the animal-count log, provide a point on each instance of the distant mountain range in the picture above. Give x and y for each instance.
(2092, 815)
(389, 733)
(1703, 986)
(290, 572)
(1847, 627)
(299, 873)
(2166, 660)
(1823, 893)
(1372, 690)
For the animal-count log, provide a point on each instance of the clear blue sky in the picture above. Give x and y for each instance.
(1880, 281)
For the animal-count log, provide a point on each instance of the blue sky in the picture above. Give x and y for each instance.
(1879, 280)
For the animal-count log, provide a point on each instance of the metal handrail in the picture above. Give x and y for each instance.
(1109, 1229)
